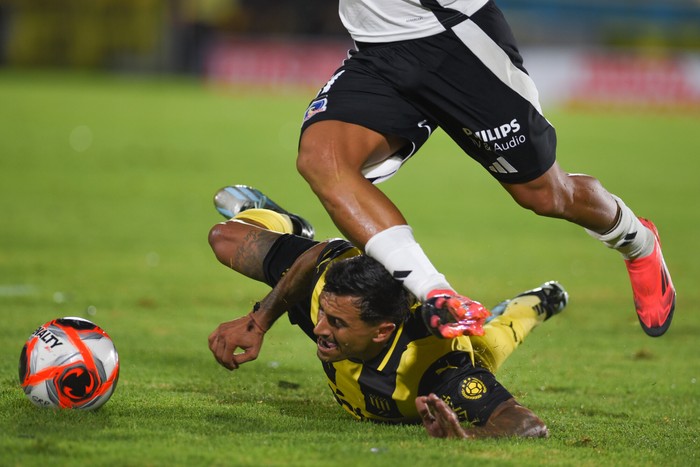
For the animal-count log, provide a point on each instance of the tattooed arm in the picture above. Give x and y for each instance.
(243, 247)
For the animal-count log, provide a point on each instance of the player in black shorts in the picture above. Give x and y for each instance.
(458, 69)
(381, 360)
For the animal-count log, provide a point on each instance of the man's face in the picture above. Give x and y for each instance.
(343, 335)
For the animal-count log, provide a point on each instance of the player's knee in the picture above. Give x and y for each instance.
(549, 195)
(542, 202)
(549, 198)
(311, 156)
(219, 241)
(311, 164)
(320, 169)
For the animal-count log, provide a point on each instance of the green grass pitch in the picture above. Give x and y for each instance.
(105, 196)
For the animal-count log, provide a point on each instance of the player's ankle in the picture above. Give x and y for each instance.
(404, 258)
(628, 236)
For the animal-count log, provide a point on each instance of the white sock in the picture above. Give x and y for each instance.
(403, 257)
(629, 236)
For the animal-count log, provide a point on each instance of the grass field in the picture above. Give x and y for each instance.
(105, 195)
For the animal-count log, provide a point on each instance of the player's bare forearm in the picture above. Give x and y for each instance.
(292, 288)
(239, 341)
(508, 419)
(247, 258)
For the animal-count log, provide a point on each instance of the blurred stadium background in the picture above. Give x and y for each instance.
(580, 52)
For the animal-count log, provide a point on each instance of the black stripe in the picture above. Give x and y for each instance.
(447, 16)
(379, 386)
(378, 390)
(490, 19)
(664, 280)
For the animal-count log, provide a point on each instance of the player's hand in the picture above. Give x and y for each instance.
(242, 333)
(439, 420)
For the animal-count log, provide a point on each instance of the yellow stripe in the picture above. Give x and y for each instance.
(391, 349)
(318, 288)
(271, 220)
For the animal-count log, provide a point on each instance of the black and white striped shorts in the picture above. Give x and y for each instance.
(468, 80)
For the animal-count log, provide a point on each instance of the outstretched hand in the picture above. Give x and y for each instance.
(439, 420)
(242, 333)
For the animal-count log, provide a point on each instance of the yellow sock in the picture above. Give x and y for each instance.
(506, 332)
(266, 219)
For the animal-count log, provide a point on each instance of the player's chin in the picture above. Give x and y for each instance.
(327, 351)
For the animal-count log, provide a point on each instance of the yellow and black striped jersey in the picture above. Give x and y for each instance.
(413, 363)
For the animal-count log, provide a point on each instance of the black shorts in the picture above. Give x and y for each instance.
(469, 81)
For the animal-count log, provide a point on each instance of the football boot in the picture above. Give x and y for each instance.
(654, 294)
(231, 200)
(553, 299)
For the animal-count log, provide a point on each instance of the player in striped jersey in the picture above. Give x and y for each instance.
(381, 360)
(420, 65)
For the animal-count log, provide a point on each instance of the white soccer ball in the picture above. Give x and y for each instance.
(69, 363)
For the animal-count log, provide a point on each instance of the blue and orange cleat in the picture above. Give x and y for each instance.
(449, 315)
(654, 294)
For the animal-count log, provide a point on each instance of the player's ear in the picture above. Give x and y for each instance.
(384, 331)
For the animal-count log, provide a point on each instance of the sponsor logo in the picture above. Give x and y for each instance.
(316, 107)
(439, 371)
(500, 132)
(47, 337)
(502, 166)
(460, 411)
(380, 403)
(516, 140)
(473, 388)
(500, 138)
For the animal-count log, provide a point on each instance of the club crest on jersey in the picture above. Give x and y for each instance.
(317, 106)
(473, 388)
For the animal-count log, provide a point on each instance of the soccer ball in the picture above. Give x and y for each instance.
(69, 363)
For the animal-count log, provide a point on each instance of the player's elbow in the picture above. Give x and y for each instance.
(513, 419)
(218, 241)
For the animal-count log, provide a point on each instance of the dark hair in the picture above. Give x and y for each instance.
(378, 295)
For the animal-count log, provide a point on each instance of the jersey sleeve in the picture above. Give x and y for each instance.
(472, 392)
(335, 249)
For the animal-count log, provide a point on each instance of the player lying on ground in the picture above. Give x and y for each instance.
(383, 355)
